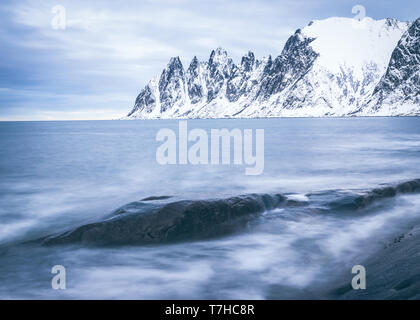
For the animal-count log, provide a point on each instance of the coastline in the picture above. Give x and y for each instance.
(392, 273)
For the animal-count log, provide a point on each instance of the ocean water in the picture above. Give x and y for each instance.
(55, 176)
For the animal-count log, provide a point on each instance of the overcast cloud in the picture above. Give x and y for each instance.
(95, 68)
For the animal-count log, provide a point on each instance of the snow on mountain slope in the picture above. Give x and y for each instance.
(398, 92)
(352, 43)
(352, 56)
(329, 68)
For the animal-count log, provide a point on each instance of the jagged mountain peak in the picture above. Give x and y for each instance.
(328, 67)
(174, 69)
(175, 63)
(268, 63)
(248, 61)
(249, 55)
(405, 58)
(194, 60)
(398, 91)
(194, 64)
(219, 57)
(219, 51)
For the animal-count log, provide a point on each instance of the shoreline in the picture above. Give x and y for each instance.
(392, 273)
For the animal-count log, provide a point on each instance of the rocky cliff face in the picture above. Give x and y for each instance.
(332, 67)
(398, 91)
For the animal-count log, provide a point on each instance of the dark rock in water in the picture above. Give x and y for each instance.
(148, 222)
(409, 186)
(152, 198)
(390, 191)
(361, 201)
(140, 223)
(377, 194)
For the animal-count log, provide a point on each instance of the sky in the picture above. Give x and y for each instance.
(94, 66)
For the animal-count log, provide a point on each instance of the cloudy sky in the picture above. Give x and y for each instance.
(109, 50)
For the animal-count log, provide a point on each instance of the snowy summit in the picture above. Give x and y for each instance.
(332, 67)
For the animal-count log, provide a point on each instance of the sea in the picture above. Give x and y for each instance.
(58, 175)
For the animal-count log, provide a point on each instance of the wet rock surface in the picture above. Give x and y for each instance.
(393, 273)
(150, 223)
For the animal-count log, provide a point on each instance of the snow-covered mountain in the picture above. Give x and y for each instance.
(398, 91)
(332, 67)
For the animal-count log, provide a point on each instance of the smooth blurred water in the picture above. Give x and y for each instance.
(55, 175)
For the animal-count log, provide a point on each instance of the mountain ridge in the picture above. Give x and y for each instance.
(331, 67)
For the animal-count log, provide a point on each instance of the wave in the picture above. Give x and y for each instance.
(338, 200)
(150, 221)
